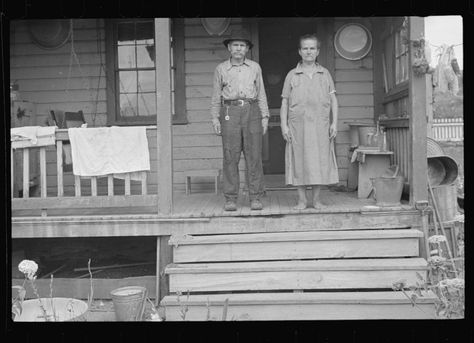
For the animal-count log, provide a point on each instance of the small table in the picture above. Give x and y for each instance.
(208, 172)
(372, 163)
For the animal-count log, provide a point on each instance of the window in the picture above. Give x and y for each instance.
(131, 84)
(401, 59)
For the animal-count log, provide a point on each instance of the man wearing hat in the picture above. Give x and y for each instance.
(240, 114)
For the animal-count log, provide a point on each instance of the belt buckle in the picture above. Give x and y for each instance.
(241, 102)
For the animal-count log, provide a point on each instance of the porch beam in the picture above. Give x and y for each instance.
(163, 115)
(417, 107)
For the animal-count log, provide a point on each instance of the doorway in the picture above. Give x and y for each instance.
(277, 55)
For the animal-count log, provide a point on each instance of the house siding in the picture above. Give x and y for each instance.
(48, 79)
(354, 86)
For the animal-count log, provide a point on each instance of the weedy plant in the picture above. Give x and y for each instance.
(445, 277)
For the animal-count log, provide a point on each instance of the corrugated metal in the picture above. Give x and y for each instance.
(397, 140)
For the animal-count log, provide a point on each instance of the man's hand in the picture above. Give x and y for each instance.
(265, 125)
(332, 131)
(285, 132)
(216, 124)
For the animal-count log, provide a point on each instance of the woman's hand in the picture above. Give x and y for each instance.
(332, 131)
(285, 132)
(265, 125)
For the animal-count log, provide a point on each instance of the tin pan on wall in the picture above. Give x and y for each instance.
(353, 41)
(442, 170)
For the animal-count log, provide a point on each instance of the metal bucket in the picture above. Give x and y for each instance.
(365, 131)
(354, 130)
(129, 303)
(388, 190)
(446, 199)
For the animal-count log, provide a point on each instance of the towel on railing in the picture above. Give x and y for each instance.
(108, 150)
(37, 135)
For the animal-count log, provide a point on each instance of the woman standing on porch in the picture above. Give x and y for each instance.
(308, 97)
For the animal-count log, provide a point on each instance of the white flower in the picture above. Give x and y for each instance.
(436, 260)
(155, 317)
(29, 268)
(437, 239)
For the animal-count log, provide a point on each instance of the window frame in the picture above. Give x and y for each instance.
(394, 89)
(176, 67)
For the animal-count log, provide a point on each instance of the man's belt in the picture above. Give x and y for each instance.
(238, 102)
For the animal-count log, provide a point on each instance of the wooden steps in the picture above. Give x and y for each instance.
(296, 245)
(294, 275)
(299, 306)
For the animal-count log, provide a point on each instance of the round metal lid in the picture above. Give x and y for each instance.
(49, 34)
(353, 41)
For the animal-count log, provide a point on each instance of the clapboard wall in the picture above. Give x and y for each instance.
(49, 79)
(55, 80)
(354, 86)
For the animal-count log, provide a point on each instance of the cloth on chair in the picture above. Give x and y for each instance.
(37, 135)
(109, 150)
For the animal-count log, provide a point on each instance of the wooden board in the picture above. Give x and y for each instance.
(140, 224)
(297, 245)
(293, 275)
(300, 306)
(80, 288)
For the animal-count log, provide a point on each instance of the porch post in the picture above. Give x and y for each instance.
(163, 115)
(417, 107)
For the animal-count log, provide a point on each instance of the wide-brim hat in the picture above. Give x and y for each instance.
(241, 35)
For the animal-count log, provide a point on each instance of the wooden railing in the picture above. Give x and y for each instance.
(448, 129)
(43, 201)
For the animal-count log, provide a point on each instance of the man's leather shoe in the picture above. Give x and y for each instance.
(230, 206)
(256, 204)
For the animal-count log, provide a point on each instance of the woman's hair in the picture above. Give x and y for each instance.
(311, 36)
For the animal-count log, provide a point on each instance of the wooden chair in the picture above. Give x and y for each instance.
(65, 120)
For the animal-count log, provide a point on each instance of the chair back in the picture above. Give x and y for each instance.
(65, 120)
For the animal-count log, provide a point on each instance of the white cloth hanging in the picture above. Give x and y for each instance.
(109, 150)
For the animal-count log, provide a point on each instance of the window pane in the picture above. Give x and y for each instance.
(126, 56)
(144, 33)
(128, 81)
(128, 104)
(146, 56)
(126, 33)
(147, 104)
(146, 81)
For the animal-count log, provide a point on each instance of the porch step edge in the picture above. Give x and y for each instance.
(178, 240)
(300, 265)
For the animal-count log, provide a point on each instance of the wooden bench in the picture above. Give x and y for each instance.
(207, 172)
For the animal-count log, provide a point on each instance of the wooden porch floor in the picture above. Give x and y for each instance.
(207, 205)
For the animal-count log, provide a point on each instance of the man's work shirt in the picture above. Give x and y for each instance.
(243, 81)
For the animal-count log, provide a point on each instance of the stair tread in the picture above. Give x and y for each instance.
(389, 297)
(295, 265)
(294, 236)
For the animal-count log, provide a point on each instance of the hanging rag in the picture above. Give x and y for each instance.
(36, 135)
(445, 78)
(109, 150)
